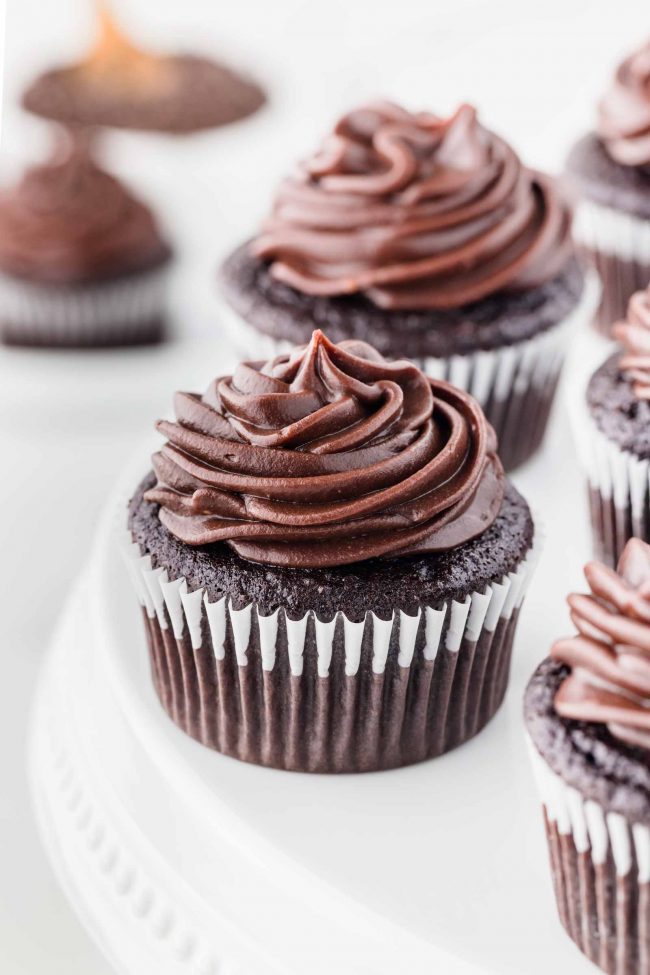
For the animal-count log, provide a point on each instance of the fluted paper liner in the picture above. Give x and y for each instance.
(123, 311)
(600, 864)
(328, 696)
(618, 485)
(618, 244)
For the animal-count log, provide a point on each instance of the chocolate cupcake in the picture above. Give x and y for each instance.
(610, 171)
(122, 86)
(330, 563)
(588, 717)
(612, 430)
(82, 262)
(430, 240)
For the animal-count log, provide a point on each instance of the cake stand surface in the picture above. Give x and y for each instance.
(181, 860)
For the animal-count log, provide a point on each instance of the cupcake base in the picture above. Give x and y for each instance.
(612, 526)
(322, 671)
(115, 335)
(337, 722)
(612, 225)
(620, 278)
(124, 311)
(595, 792)
(607, 916)
(612, 435)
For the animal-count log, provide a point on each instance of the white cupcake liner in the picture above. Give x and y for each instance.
(514, 384)
(618, 244)
(120, 311)
(600, 862)
(601, 228)
(619, 485)
(328, 696)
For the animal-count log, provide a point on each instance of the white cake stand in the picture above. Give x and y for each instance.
(180, 860)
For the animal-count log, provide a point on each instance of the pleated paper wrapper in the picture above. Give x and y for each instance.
(328, 695)
(618, 484)
(618, 245)
(125, 311)
(600, 864)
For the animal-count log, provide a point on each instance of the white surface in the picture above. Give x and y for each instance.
(58, 413)
(534, 69)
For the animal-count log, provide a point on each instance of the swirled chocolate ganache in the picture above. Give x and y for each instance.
(328, 456)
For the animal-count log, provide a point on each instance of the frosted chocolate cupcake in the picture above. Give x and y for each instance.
(613, 436)
(330, 563)
(587, 712)
(120, 85)
(610, 169)
(428, 238)
(82, 262)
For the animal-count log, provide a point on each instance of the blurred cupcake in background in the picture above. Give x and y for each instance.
(613, 436)
(118, 84)
(82, 262)
(610, 170)
(587, 712)
(330, 561)
(428, 238)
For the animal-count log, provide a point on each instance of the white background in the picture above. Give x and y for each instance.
(67, 425)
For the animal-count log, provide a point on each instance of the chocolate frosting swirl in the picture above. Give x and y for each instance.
(325, 457)
(69, 221)
(416, 212)
(624, 111)
(610, 657)
(634, 335)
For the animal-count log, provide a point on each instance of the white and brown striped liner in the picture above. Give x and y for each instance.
(619, 487)
(600, 864)
(328, 696)
(515, 384)
(618, 245)
(114, 312)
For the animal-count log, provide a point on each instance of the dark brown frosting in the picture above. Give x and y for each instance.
(634, 335)
(328, 456)
(69, 221)
(416, 212)
(610, 657)
(624, 111)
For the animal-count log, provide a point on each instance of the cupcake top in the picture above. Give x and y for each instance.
(119, 84)
(415, 212)
(69, 221)
(624, 111)
(609, 658)
(618, 393)
(326, 457)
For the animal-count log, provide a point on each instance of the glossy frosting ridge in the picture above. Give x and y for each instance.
(328, 456)
(624, 111)
(415, 212)
(634, 335)
(609, 658)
